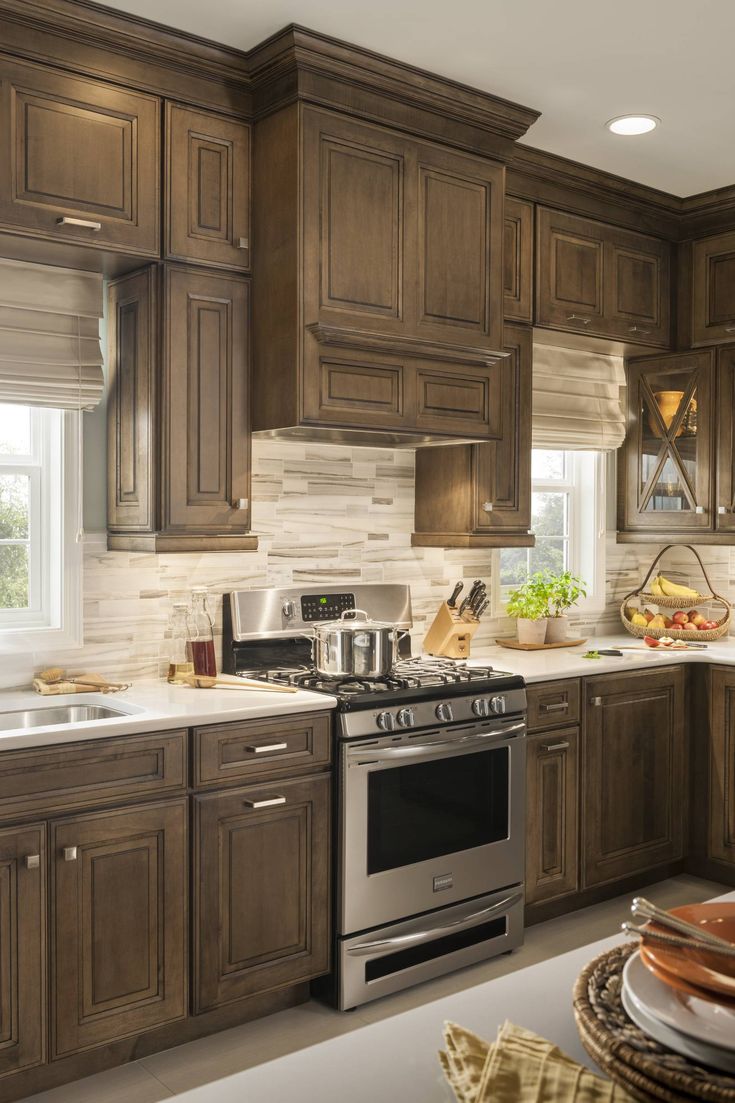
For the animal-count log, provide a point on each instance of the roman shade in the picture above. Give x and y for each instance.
(577, 399)
(50, 352)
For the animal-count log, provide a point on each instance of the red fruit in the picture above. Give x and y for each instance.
(648, 615)
(708, 626)
(650, 641)
(680, 617)
(691, 613)
(668, 622)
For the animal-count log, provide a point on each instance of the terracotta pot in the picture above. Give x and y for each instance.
(531, 631)
(557, 629)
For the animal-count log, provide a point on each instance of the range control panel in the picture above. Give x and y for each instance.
(325, 606)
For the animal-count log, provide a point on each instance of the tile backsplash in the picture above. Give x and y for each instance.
(324, 514)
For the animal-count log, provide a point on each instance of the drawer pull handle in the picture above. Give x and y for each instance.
(266, 748)
(70, 854)
(596, 701)
(561, 706)
(639, 329)
(563, 746)
(32, 861)
(729, 329)
(268, 803)
(579, 318)
(82, 223)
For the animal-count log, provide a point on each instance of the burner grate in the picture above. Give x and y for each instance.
(407, 674)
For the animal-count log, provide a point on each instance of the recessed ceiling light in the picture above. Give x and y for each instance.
(633, 124)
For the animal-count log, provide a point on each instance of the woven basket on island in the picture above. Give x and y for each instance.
(686, 601)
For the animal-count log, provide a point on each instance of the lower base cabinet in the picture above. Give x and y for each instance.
(720, 802)
(552, 801)
(262, 889)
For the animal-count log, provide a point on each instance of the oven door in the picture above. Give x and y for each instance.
(428, 819)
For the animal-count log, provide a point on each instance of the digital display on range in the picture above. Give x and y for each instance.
(325, 606)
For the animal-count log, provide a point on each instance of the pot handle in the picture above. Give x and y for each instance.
(352, 614)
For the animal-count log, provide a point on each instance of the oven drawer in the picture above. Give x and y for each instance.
(228, 754)
(551, 704)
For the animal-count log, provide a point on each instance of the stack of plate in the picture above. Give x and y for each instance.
(685, 999)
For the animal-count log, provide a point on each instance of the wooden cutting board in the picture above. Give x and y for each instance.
(516, 646)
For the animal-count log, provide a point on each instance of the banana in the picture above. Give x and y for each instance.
(673, 589)
(656, 588)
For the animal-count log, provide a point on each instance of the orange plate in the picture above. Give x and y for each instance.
(696, 971)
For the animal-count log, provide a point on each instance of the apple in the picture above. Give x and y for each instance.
(650, 641)
(708, 626)
(691, 614)
(680, 617)
(697, 619)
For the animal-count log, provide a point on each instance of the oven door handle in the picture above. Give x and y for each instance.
(367, 755)
(385, 945)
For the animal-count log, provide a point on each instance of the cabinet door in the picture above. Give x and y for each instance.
(552, 867)
(80, 160)
(713, 289)
(724, 497)
(22, 948)
(666, 470)
(569, 260)
(518, 260)
(207, 188)
(502, 468)
(637, 288)
(118, 924)
(633, 779)
(206, 403)
(721, 841)
(261, 881)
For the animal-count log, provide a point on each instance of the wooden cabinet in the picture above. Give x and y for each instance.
(632, 783)
(518, 260)
(720, 807)
(261, 750)
(261, 889)
(479, 495)
(80, 160)
(22, 948)
(599, 280)
(552, 802)
(378, 283)
(207, 188)
(119, 911)
(713, 289)
(724, 473)
(179, 411)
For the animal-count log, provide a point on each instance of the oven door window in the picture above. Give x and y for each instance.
(422, 811)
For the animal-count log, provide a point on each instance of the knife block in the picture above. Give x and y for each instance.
(449, 636)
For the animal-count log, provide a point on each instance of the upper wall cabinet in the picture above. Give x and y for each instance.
(713, 289)
(79, 160)
(207, 190)
(596, 279)
(518, 260)
(378, 292)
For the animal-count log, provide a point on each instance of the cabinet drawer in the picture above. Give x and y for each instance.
(553, 703)
(231, 753)
(91, 774)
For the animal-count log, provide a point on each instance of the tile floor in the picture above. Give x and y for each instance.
(165, 1075)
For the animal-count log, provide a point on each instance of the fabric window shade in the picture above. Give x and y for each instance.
(577, 399)
(50, 352)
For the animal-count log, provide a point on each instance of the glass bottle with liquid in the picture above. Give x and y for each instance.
(201, 637)
(180, 663)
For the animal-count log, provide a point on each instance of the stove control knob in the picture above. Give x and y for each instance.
(481, 706)
(405, 718)
(444, 712)
(386, 721)
(497, 704)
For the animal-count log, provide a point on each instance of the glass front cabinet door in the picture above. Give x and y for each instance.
(666, 462)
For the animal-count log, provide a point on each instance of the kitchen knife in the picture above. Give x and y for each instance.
(478, 599)
(464, 607)
(455, 594)
(476, 585)
(482, 608)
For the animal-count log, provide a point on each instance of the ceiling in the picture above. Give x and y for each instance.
(579, 63)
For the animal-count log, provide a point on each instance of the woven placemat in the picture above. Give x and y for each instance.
(647, 1069)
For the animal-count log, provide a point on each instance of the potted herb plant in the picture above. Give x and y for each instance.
(529, 605)
(563, 591)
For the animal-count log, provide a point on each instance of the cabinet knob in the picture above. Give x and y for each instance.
(82, 223)
(243, 243)
(264, 803)
(723, 509)
(597, 701)
(32, 861)
(487, 507)
(70, 854)
(579, 318)
(699, 509)
(241, 503)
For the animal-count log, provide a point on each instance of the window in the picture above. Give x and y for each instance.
(40, 562)
(567, 518)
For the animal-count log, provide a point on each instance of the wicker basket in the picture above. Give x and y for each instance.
(711, 599)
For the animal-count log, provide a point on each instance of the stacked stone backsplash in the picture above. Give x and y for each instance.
(325, 514)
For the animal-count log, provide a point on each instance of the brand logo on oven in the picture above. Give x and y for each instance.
(443, 881)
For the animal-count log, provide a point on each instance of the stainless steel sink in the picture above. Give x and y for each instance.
(56, 714)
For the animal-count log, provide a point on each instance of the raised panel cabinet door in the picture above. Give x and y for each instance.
(207, 189)
(206, 403)
(119, 917)
(261, 879)
(22, 948)
(666, 471)
(569, 272)
(460, 249)
(518, 260)
(713, 289)
(721, 832)
(724, 497)
(637, 288)
(502, 468)
(552, 866)
(632, 783)
(80, 160)
(356, 390)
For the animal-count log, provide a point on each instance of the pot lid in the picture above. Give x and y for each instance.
(349, 622)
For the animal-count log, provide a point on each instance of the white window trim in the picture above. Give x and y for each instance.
(55, 618)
